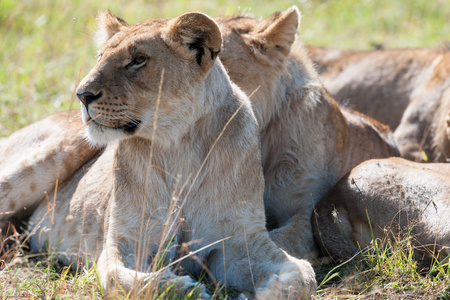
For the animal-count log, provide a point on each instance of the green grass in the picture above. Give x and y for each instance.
(41, 277)
(46, 46)
(386, 270)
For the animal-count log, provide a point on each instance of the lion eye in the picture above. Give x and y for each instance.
(137, 62)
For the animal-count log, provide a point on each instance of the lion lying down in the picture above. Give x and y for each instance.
(380, 83)
(181, 169)
(308, 142)
(387, 198)
(408, 89)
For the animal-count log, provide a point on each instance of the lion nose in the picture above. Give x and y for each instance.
(87, 97)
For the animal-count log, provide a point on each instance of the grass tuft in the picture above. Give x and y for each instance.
(388, 270)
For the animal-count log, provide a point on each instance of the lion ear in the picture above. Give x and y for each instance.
(280, 28)
(194, 36)
(276, 34)
(108, 25)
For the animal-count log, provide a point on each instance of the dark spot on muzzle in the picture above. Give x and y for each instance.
(130, 127)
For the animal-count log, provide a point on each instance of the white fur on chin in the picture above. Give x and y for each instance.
(99, 136)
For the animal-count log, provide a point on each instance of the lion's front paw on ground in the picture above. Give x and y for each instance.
(296, 280)
(180, 285)
(189, 286)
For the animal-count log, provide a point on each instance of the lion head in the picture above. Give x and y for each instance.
(133, 74)
(257, 54)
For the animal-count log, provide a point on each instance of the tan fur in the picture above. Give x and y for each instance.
(308, 142)
(386, 198)
(378, 83)
(184, 178)
(408, 89)
(423, 132)
(36, 158)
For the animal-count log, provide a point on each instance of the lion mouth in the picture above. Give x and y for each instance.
(130, 127)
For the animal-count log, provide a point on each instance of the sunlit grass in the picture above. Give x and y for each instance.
(45, 45)
(385, 270)
(43, 278)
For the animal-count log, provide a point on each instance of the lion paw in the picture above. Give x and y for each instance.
(183, 285)
(296, 280)
(190, 286)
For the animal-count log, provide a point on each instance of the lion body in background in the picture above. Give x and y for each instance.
(379, 83)
(387, 199)
(407, 89)
(307, 141)
(424, 131)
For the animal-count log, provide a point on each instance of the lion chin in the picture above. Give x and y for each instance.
(99, 135)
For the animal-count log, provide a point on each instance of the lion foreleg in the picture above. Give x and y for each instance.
(115, 275)
(270, 272)
(296, 238)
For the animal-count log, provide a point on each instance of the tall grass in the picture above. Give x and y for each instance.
(46, 45)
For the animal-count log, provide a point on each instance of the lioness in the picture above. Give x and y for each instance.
(387, 198)
(35, 158)
(379, 83)
(181, 170)
(408, 89)
(308, 142)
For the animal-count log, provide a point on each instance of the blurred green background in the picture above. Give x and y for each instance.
(46, 45)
